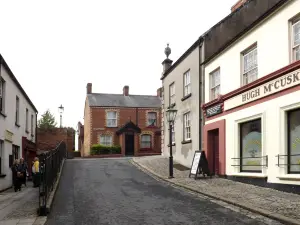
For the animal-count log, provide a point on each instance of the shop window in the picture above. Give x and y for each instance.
(106, 140)
(146, 141)
(294, 141)
(250, 146)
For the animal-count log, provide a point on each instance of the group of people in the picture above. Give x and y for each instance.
(20, 173)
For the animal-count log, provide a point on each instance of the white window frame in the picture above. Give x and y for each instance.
(295, 47)
(27, 118)
(113, 119)
(148, 143)
(172, 94)
(187, 83)
(17, 119)
(2, 94)
(253, 70)
(150, 120)
(215, 86)
(187, 126)
(1, 156)
(106, 140)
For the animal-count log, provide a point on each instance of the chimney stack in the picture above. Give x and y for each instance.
(126, 90)
(158, 92)
(89, 88)
(238, 5)
(167, 63)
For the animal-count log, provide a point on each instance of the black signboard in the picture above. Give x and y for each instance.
(199, 165)
(217, 109)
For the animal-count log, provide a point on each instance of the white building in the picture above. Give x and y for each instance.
(18, 118)
(252, 130)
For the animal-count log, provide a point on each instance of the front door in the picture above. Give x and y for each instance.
(215, 149)
(129, 144)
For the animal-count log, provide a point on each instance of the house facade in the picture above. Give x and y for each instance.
(18, 120)
(252, 104)
(182, 91)
(129, 121)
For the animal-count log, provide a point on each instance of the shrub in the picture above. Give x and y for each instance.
(98, 149)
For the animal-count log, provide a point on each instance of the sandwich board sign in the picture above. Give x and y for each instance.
(199, 165)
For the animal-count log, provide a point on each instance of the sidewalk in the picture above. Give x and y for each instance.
(20, 207)
(274, 204)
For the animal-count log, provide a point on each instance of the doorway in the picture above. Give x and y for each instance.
(214, 140)
(129, 144)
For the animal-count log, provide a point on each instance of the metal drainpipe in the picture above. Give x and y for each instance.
(201, 92)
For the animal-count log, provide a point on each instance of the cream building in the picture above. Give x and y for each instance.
(252, 103)
(17, 123)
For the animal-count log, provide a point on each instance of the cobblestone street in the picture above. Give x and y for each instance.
(113, 191)
(270, 201)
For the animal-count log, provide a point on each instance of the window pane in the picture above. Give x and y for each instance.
(111, 115)
(146, 141)
(294, 140)
(250, 136)
(296, 31)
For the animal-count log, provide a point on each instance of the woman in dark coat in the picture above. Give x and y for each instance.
(23, 170)
(16, 176)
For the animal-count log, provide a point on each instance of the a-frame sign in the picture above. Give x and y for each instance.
(199, 165)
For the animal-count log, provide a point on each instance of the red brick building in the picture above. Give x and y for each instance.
(130, 121)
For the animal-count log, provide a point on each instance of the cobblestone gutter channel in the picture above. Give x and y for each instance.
(280, 206)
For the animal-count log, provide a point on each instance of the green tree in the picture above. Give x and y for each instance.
(47, 121)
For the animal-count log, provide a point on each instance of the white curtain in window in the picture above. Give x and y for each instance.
(146, 141)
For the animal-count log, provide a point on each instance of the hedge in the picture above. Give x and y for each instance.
(98, 149)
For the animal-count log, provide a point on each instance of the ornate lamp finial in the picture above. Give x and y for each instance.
(167, 51)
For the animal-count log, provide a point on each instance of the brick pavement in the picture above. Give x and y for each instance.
(269, 202)
(20, 207)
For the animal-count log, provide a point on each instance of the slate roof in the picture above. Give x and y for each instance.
(119, 100)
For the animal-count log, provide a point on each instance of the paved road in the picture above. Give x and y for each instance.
(114, 192)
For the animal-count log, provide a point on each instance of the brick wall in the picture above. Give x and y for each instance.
(47, 139)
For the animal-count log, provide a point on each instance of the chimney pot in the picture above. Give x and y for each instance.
(89, 88)
(126, 90)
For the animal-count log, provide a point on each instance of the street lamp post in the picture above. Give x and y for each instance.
(171, 115)
(61, 110)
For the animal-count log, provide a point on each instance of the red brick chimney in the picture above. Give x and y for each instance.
(158, 92)
(89, 88)
(126, 90)
(237, 5)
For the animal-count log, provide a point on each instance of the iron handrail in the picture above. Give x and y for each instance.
(257, 157)
(286, 164)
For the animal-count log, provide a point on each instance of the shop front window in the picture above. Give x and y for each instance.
(250, 146)
(294, 141)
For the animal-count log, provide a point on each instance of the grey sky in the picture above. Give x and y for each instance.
(55, 47)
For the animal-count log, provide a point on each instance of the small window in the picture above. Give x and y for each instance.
(151, 120)
(294, 141)
(16, 152)
(1, 156)
(32, 118)
(106, 140)
(249, 66)
(214, 84)
(187, 126)
(296, 40)
(111, 119)
(146, 141)
(17, 110)
(27, 119)
(2, 94)
(172, 94)
(173, 133)
(187, 83)
(250, 146)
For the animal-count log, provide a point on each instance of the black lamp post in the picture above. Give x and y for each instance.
(61, 110)
(171, 115)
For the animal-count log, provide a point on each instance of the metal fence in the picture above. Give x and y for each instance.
(50, 165)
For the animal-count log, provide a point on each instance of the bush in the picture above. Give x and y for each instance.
(98, 149)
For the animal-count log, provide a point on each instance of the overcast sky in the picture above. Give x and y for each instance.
(56, 47)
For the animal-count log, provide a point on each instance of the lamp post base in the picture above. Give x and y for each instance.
(171, 167)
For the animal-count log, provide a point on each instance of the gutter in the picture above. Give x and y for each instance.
(201, 91)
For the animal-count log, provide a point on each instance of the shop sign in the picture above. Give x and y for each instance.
(287, 81)
(212, 111)
(8, 136)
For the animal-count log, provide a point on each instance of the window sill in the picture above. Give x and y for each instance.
(17, 125)
(111, 127)
(186, 97)
(2, 175)
(173, 144)
(186, 142)
(242, 174)
(291, 177)
(3, 114)
(171, 106)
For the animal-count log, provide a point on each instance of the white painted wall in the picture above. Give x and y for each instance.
(183, 153)
(272, 37)
(8, 123)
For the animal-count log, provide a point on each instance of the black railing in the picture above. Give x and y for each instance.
(50, 165)
(260, 157)
(286, 164)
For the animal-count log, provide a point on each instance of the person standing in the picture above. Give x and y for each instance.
(36, 168)
(16, 175)
(23, 170)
